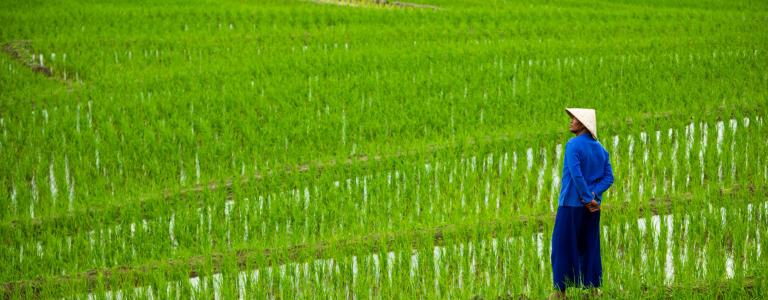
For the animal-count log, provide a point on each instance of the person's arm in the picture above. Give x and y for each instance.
(607, 180)
(574, 167)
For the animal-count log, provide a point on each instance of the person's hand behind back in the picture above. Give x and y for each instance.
(592, 205)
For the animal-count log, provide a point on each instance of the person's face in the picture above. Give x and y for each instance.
(576, 126)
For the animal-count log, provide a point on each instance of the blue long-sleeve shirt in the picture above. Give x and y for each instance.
(586, 169)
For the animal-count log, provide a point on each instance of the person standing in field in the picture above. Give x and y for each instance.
(587, 173)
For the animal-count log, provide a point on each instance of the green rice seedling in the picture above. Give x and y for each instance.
(138, 143)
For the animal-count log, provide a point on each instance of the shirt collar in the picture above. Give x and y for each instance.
(586, 135)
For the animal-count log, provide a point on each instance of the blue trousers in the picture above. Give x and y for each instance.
(575, 256)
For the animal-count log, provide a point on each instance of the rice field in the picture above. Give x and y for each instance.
(375, 149)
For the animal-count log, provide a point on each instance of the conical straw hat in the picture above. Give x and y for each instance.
(587, 117)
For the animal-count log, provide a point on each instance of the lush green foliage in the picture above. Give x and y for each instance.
(281, 136)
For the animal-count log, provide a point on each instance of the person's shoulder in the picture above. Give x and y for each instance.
(600, 144)
(576, 141)
(602, 149)
(605, 151)
(572, 140)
